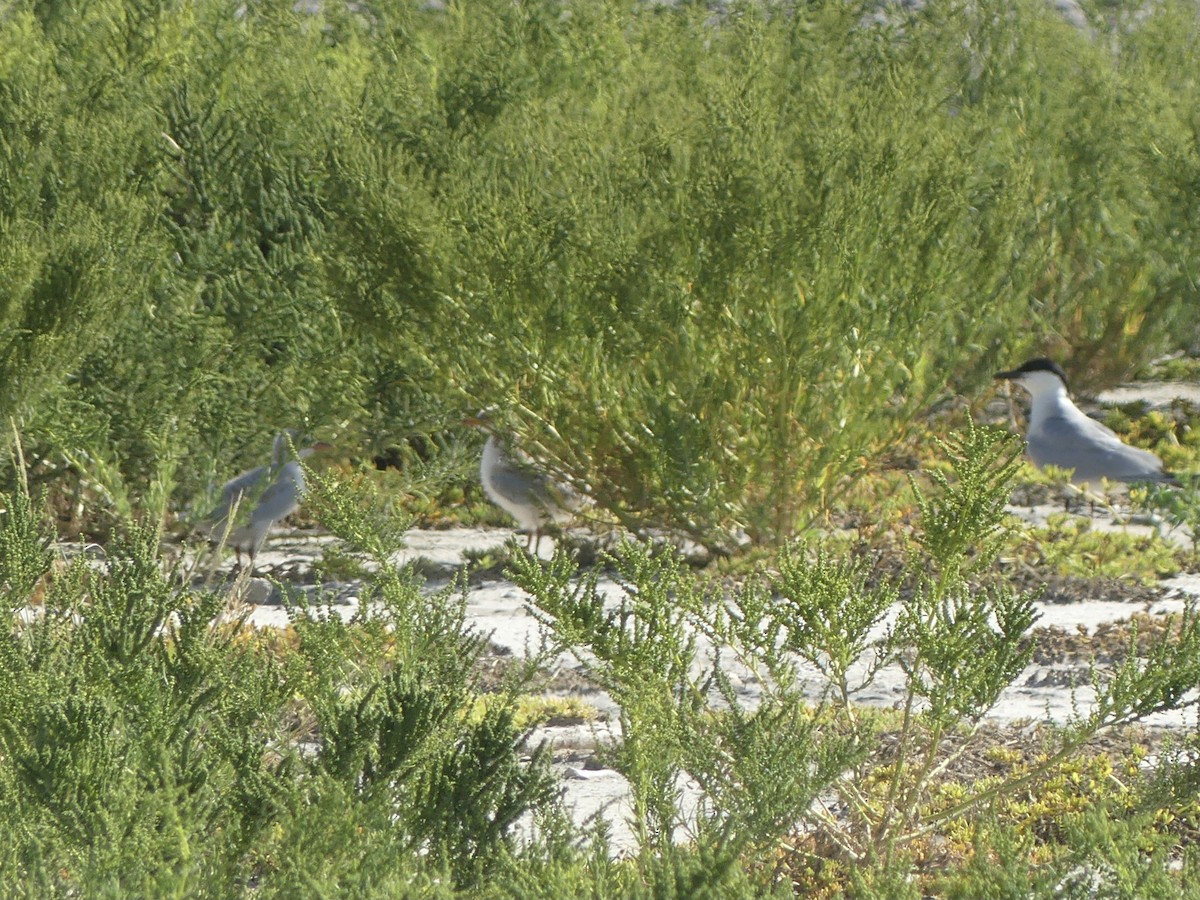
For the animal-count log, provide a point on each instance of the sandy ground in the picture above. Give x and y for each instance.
(1077, 621)
(1154, 394)
(1052, 689)
(497, 607)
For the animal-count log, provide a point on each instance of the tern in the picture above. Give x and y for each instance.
(511, 481)
(284, 485)
(1061, 435)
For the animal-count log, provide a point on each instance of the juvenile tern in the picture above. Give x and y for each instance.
(511, 481)
(279, 499)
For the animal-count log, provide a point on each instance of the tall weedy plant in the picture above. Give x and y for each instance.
(813, 634)
(154, 743)
(710, 271)
(710, 268)
(404, 733)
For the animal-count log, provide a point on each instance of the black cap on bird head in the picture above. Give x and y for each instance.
(1038, 364)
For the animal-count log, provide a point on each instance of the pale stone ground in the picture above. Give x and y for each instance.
(498, 608)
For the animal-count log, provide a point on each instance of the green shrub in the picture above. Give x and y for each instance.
(151, 743)
(768, 765)
(713, 271)
(710, 268)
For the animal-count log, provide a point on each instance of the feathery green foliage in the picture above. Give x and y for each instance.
(667, 650)
(710, 266)
(153, 744)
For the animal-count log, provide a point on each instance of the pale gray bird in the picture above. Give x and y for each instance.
(275, 491)
(1061, 435)
(511, 481)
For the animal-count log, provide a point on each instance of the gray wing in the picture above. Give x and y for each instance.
(282, 498)
(518, 484)
(235, 493)
(523, 485)
(1092, 450)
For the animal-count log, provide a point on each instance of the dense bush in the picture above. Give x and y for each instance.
(709, 265)
(153, 743)
(712, 266)
(824, 772)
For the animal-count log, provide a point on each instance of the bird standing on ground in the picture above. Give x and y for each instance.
(512, 483)
(284, 480)
(1061, 435)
